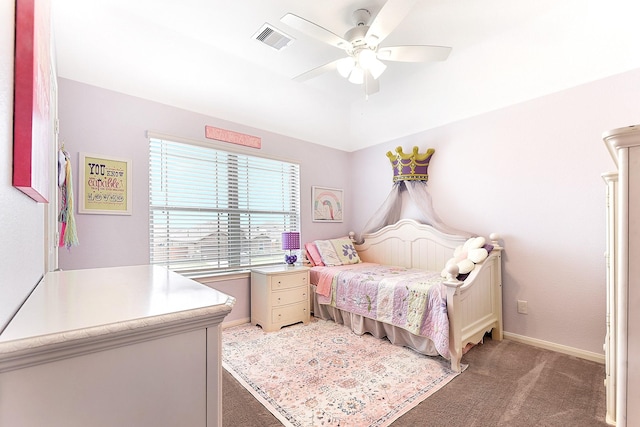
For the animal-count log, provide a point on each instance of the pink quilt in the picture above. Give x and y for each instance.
(412, 299)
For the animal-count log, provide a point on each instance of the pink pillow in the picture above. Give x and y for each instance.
(313, 254)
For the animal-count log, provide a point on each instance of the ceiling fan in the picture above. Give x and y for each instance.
(364, 61)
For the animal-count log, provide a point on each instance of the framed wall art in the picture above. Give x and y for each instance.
(327, 204)
(33, 135)
(105, 185)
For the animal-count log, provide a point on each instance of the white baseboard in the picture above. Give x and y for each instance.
(236, 322)
(571, 351)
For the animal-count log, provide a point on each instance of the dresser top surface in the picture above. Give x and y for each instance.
(79, 299)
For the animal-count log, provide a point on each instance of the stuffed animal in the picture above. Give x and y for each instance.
(466, 256)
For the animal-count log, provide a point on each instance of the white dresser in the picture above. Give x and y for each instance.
(279, 296)
(125, 346)
(623, 278)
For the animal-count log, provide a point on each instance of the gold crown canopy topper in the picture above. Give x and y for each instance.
(410, 167)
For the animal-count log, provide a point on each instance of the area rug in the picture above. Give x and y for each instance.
(322, 374)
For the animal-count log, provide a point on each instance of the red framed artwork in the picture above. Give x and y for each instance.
(32, 129)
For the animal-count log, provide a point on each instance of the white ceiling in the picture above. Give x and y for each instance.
(200, 55)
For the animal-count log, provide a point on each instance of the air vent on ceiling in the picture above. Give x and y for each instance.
(272, 37)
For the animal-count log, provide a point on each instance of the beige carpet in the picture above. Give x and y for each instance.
(323, 374)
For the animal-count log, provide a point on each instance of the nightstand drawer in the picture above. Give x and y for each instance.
(285, 281)
(290, 313)
(290, 296)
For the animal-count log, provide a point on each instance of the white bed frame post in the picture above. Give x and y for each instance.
(455, 318)
(497, 333)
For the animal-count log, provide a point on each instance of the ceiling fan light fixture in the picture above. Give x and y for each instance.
(366, 58)
(356, 76)
(368, 61)
(377, 68)
(345, 66)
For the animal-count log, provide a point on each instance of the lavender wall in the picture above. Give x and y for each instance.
(532, 173)
(21, 219)
(97, 121)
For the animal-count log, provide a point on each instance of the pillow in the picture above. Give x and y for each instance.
(313, 255)
(465, 266)
(488, 248)
(345, 251)
(328, 253)
(337, 252)
(477, 255)
(466, 256)
(473, 243)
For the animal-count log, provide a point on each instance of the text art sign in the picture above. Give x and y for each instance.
(105, 185)
(226, 135)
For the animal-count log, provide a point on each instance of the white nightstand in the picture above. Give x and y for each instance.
(279, 296)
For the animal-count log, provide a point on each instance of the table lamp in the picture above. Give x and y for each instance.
(290, 241)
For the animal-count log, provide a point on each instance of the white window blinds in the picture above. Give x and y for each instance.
(212, 211)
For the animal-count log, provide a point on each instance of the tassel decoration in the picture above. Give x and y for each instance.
(68, 233)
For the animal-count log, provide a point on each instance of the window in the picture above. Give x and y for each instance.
(213, 211)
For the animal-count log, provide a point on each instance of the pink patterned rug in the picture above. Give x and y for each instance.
(322, 374)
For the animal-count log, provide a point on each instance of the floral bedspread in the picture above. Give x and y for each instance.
(412, 299)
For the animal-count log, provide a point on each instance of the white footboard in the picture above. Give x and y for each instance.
(475, 306)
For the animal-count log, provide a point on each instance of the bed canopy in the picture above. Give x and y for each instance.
(409, 174)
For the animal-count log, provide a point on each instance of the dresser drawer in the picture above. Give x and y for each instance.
(285, 281)
(289, 296)
(290, 313)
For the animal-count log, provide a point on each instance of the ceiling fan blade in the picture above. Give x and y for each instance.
(370, 84)
(421, 53)
(314, 30)
(315, 72)
(391, 14)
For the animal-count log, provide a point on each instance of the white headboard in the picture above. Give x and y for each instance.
(408, 243)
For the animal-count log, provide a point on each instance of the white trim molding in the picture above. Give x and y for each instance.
(571, 351)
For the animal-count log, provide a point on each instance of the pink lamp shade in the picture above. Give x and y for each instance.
(290, 241)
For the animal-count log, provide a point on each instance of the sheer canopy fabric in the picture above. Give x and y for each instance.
(390, 211)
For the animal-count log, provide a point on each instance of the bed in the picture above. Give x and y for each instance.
(404, 265)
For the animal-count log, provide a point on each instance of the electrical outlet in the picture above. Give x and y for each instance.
(522, 307)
